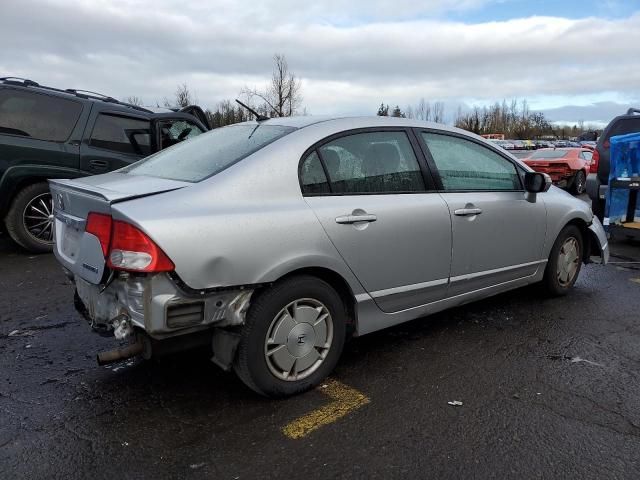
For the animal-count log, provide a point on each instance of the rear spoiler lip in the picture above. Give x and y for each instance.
(109, 196)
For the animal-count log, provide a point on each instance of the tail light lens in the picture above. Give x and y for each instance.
(127, 247)
(99, 224)
(595, 162)
(132, 250)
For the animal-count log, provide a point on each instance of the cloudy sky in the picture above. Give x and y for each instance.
(574, 59)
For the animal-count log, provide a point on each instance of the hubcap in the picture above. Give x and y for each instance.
(299, 339)
(38, 218)
(568, 261)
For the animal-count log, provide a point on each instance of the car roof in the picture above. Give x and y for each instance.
(353, 122)
(84, 95)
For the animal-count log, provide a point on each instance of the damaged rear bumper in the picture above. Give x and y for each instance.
(155, 305)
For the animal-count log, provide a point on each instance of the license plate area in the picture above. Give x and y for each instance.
(70, 241)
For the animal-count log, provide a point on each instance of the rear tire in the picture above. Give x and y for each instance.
(565, 261)
(29, 221)
(579, 183)
(298, 324)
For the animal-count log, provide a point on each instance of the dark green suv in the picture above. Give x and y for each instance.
(51, 133)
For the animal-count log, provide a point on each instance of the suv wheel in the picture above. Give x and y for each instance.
(292, 338)
(29, 221)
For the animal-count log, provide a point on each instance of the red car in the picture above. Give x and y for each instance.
(567, 167)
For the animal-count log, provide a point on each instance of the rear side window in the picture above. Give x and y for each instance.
(312, 175)
(122, 134)
(209, 153)
(36, 115)
(376, 162)
(465, 165)
(588, 156)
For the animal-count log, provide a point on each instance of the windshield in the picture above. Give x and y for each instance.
(209, 153)
(549, 154)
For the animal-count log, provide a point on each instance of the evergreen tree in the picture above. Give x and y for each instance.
(383, 110)
(397, 112)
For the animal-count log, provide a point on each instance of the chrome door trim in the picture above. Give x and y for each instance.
(409, 288)
(471, 276)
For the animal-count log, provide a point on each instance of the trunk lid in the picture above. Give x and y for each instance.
(78, 251)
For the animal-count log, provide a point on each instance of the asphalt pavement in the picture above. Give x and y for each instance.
(546, 388)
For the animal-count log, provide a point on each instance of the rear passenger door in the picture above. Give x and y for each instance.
(114, 140)
(498, 232)
(375, 203)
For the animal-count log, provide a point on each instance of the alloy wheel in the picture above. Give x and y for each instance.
(37, 218)
(298, 339)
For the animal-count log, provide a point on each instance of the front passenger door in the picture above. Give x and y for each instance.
(498, 231)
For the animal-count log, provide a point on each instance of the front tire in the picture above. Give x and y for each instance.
(565, 261)
(29, 221)
(293, 337)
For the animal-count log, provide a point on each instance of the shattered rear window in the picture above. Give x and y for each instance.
(540, 154)
(208, 154)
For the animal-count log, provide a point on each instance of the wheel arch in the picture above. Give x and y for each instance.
(588, 237)
(338, 283)
(20, 177)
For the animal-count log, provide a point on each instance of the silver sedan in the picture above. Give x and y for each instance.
(272, 241)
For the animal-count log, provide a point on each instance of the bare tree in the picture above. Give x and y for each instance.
(283, 95)
(423, 110)
(134, 100)
(183, 96)
(513, 119)
(438, 112)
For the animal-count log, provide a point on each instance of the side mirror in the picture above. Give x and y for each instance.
(536, 182)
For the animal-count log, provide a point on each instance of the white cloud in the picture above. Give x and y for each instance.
(351, 55)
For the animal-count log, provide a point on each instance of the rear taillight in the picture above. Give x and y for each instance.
(595, 161)
(99, 224)
(132, 250)
(127, 247)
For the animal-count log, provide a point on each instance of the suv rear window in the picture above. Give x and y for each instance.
(122, 134)
(549, 154)
(36, 115)
(209, 153)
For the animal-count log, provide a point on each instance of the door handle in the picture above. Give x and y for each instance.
(467, 212)
(346, 219)
(99, 165)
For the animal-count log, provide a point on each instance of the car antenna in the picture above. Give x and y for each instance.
(259, 118)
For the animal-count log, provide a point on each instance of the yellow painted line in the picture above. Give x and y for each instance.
(635, 280)
(345, 400)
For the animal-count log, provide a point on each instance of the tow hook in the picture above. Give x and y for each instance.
(105, 358)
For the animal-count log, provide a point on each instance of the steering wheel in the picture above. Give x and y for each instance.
(184, 134)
